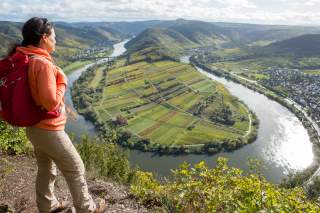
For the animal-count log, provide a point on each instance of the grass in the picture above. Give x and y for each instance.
(97, 77)
(158, 100)
(312, 72)
(252, 68)
(74, 66)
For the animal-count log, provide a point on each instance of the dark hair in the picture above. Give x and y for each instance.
(32, 32)
(34, 29)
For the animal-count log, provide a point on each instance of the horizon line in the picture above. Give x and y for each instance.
(146, 20)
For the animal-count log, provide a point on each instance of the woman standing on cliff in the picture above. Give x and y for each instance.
(52, 146)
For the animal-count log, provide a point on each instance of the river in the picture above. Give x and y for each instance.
(283, 144)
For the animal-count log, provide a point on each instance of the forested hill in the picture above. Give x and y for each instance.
(159, 37)
(87, 35)
(186, 33)
(68, 35)
(194, 29)
(180, 34)
(305, 45)
(177, 36)
(70, 38)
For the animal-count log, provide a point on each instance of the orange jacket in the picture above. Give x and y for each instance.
(47, 84)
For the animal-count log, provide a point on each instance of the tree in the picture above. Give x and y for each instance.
(121, 120)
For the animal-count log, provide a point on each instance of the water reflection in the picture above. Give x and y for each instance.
(288, 146)
(282, 138)
(119, 49)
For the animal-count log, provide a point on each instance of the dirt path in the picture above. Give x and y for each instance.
(17, 188)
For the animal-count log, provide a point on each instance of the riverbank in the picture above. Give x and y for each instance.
(68, 70)
(296, 110)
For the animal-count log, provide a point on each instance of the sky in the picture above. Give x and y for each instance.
(284, 12)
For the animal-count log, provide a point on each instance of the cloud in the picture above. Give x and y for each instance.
(251, 11)
(312, 2)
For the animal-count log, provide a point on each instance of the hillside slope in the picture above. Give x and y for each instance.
(70, 39)
(305, 45)
(18, 189)
(235, 31)
(181, 34)
(157, 37)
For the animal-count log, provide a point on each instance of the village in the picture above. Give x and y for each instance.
(301, 87)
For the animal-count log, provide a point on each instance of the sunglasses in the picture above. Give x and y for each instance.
(46, 23)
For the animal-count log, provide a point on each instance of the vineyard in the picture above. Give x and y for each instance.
(169, 103)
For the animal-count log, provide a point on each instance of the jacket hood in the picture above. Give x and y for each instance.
(32, 50)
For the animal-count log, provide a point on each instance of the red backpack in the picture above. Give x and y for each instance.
(17, 106)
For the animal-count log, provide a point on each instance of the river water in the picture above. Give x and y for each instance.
(283, 144)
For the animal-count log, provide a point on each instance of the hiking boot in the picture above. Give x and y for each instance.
(61, 207)
(102, 207)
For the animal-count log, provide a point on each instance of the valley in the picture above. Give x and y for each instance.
(181, 111)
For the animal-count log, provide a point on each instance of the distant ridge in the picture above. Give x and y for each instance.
(305, 45)
(160, 35)
(178, 34)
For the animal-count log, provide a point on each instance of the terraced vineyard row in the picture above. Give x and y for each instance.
(170, 103)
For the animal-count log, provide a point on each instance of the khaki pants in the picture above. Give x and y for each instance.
(55, 148)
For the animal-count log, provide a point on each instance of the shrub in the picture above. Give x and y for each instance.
(147, 189)
(121, 121)
(221, 189)
(13, 140)
(104, 160)
(191, 127)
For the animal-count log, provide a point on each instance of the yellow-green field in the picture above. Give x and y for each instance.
(248, 68)
(312, 72)
(158, 99)
(74, 66)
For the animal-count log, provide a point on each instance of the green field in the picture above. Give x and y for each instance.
(252, 68)
(312, 72)
(247, 68)
(74, 66)
(159, 99)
